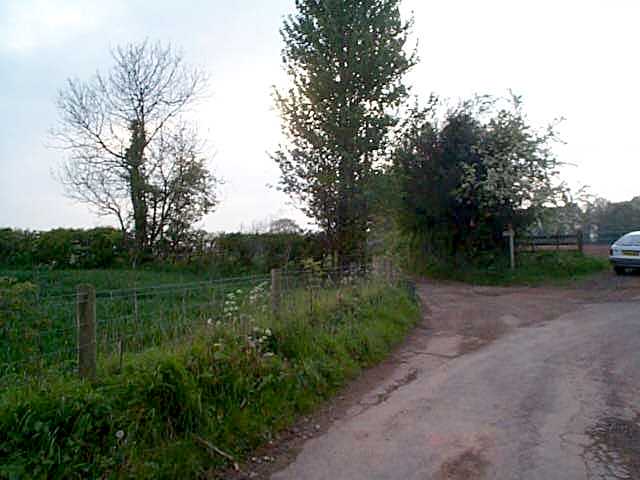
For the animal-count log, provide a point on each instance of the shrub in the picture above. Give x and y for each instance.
(61, 248)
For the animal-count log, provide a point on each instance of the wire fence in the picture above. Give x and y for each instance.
(46, 334)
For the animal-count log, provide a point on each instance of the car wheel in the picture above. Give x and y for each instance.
(619, 270)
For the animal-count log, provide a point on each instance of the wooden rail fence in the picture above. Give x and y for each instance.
(555, 241)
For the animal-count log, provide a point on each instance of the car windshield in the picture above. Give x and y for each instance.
(630, 240)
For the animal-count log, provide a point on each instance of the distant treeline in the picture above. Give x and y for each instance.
(601, 221)
(105, 247)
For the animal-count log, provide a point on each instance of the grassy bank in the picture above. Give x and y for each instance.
(532, 269)
(170, 412)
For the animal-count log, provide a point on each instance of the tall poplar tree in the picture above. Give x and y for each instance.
(345, 60)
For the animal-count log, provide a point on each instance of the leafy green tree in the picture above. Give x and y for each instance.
(606, 221)
(346, 60)
(98, 247)
(130, 154)
(284, 225)
(17, 247)
(465, 178)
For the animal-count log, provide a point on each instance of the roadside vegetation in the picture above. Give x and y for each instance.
(45, 253)
(533, 269)
(178, 411)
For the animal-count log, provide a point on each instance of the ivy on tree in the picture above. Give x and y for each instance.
(131, 155)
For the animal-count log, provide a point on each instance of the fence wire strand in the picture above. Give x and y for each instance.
(135, 319)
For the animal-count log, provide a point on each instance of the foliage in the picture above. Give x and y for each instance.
(545, 267)
(462, 180)
(17, 247)
(238, 253)
(227, 254)
(605, 221)
(20, 327)
(100, 247)
(181, 191)
(14, 296)
(346, 61)
(232, 389)
(600, 220)
(131, 155)
(284, 225)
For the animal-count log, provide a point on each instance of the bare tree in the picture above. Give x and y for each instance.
(181, 189)
(130, 154)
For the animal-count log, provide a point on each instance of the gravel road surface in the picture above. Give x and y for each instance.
(496, 383)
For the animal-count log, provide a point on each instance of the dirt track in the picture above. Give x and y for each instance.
(496, 383)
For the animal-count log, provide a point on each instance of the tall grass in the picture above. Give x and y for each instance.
(230, 383)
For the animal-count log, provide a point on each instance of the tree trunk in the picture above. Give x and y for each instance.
(138, 190)
(139, 210)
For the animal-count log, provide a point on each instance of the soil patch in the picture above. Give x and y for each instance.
(616, 447)
(469, 465)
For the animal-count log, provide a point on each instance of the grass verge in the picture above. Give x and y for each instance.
(170, 412)
(531, 269)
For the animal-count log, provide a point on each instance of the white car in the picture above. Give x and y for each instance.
(625, 252)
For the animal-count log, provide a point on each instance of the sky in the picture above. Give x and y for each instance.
(576, 59)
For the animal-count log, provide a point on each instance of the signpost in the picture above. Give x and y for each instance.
(512, 254)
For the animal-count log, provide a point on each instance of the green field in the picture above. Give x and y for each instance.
(134, 311)
(51, 282)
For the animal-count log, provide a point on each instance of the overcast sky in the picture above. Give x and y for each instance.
(576, 59)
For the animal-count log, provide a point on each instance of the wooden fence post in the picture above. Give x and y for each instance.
(512, 250)
(580, 240)
(276, 288)
(86, 324)
(510, 234)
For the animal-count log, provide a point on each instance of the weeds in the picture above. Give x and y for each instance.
(237, 382)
